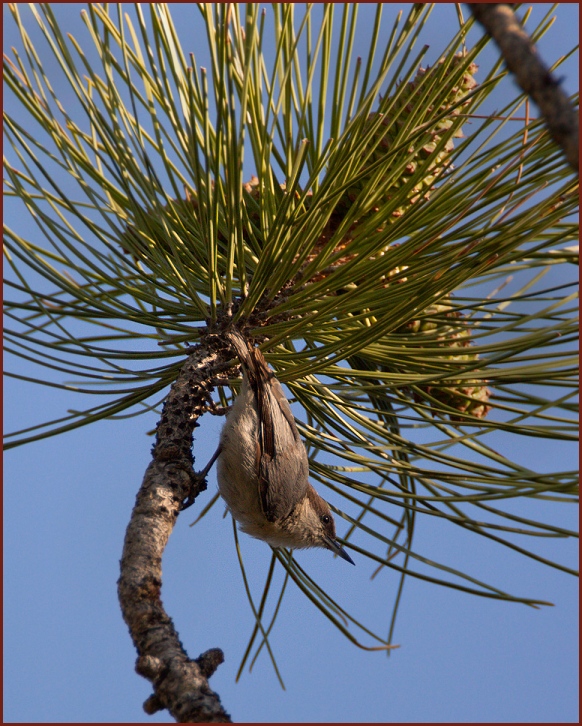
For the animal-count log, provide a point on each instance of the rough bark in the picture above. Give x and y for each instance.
(180, 683)
(531, 74)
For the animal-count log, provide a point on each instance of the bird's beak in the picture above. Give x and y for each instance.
(337, 549)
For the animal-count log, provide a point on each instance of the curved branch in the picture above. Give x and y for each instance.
(533, 77)
(180, 683)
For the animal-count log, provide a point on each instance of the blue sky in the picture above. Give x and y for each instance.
(67, 500)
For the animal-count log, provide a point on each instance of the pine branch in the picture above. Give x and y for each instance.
(531, 74)
(180, 683)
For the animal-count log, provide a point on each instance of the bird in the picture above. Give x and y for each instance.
(262, 465)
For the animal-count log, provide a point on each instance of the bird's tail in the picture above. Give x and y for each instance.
(251, 358)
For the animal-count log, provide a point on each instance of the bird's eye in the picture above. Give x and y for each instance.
(325, 518)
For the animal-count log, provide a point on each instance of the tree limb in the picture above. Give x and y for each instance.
(180, 683)
(533, 77)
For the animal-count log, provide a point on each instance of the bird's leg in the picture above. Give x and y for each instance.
(198, 481)
(215, 410)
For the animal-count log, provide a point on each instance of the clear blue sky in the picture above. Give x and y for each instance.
(68, 655)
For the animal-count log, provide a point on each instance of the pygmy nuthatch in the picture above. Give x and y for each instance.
(263, 468)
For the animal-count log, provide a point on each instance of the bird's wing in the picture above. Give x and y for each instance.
(283, 469)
